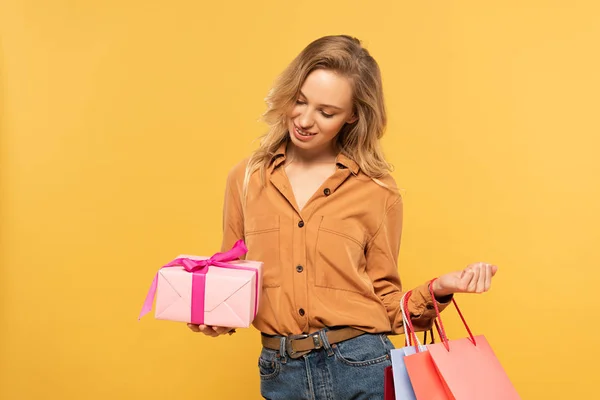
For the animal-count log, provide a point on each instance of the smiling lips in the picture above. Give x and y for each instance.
(302, 132)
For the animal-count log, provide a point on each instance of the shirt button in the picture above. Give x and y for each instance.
(301, 312)
(299, 268)
(300, 224)
(327, 192)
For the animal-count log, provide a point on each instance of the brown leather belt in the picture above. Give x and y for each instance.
(298, 345)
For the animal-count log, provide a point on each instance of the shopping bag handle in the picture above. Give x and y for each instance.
(432, 335)
(441, 329)
(409, 329)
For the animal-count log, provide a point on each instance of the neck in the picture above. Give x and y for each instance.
(327, 154)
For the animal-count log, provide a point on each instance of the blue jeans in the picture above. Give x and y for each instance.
(349, 370)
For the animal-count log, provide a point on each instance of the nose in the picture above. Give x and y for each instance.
(305, 120)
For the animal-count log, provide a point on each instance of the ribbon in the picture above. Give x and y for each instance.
(199, 268)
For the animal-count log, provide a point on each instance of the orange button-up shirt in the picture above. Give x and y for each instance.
(333, 263)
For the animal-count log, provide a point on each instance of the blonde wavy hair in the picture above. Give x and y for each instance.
(360, 140)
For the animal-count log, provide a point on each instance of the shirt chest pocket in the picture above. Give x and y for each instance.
(262, 240)
(340, 256)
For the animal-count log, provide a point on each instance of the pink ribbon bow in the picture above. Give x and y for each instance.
(199, 268)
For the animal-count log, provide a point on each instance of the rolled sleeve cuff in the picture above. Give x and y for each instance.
(421, 308)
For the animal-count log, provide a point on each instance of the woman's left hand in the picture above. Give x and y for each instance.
(476, 278)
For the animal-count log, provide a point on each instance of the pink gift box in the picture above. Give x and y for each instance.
(218, 291)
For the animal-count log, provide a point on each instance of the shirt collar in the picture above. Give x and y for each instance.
(278, 157)
(346, 162)
(341, 160)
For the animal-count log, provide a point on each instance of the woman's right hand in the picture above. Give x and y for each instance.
(208, 330)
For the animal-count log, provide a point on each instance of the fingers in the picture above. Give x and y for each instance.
(489, 274)
(481, 282)
(221, 330)
(208, 331)
(212, 331)
(475, 278)
(472, 287)
(465, 280)
(494, 270)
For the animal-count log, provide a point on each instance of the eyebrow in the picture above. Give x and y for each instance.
(323, 105)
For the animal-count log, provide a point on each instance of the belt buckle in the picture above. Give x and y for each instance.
(288, 345)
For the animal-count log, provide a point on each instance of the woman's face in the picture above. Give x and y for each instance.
(321, 110)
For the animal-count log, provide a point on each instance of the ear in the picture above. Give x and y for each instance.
(352, 119)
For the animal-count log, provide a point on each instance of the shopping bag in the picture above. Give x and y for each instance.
(468, 367)
(388, 384)
(402, 386)
(424, 379)
(426, 382)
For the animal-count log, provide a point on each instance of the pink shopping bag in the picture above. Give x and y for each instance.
(468, 367)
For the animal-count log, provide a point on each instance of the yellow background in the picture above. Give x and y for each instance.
(120, 120)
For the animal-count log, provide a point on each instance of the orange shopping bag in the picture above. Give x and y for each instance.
(426, 382)
(468, 367)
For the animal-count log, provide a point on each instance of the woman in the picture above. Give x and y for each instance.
(317, 205)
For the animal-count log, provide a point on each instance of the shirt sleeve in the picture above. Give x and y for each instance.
(233, 217)
(382, 267)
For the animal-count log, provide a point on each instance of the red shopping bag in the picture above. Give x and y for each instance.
(424, 378)
(468, 367)
(388, 384)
